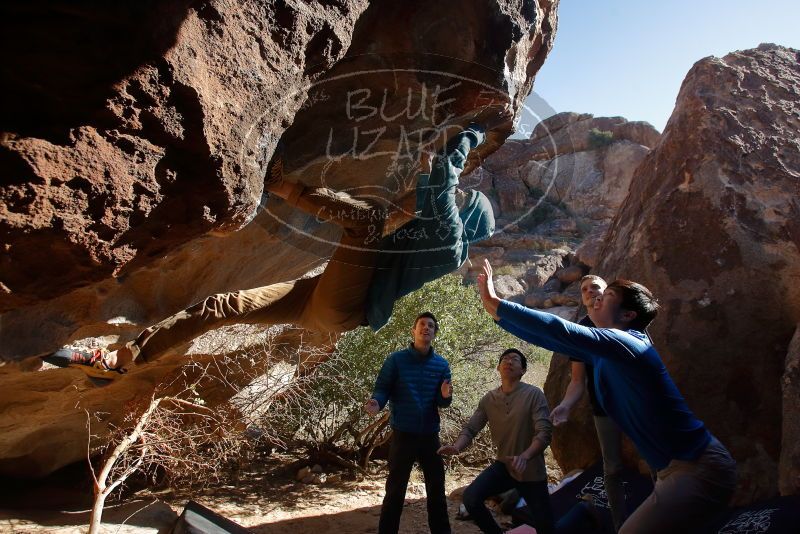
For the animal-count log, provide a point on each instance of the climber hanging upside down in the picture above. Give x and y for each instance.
(363, 278)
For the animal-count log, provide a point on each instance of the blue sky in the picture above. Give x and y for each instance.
(629, 57)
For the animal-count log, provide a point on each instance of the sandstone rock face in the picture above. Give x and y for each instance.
(131, 144)
(125, 183)
(789, 465)
(713, 212)
(135, 164)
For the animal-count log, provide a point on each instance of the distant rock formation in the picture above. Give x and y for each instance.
(555, 195)
(712, 226)
(581, 162)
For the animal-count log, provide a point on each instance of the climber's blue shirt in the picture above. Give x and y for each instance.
(437, 241)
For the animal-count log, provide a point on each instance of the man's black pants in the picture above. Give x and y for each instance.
(406, 448)
(496, 479)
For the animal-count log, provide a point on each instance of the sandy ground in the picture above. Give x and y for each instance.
(266, 500)
(347, 507)
(279, 506)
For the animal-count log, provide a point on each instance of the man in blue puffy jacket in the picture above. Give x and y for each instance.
(416, 383)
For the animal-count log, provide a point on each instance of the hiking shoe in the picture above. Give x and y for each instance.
(93, 362)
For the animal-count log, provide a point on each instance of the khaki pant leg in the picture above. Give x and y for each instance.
(610, 438)
(273, 304)
(338, 303)
(340, 298)
(686, 494)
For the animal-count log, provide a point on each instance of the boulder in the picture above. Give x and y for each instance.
(43, 415)
(712, 212)
(559, 227)
(560, 176)
(566, 298)
(570, 274)
(124, 150)
(508, 287)
(568, 137)
(544, 268)
(558, 134)
(789, 463)
(302, 474)
(135, 167)
(564, 311)
(565, 174)
(512, 196)
(637, 132)
(574, 444)
(149, 169)
(588, 252)
(540, 299)
(554, 284)
(557, 122)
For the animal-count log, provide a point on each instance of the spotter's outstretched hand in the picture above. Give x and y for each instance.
(486, 290)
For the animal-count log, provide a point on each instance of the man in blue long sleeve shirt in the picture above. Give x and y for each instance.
(696, 475)
(416, 383)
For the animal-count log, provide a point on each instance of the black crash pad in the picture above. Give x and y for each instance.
(590, 482)
(773, 516)
(197, 519)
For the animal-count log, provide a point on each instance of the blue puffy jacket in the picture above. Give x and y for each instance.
(411, 382)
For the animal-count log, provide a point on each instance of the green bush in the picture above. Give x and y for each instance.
(600, 138)
(330, 411)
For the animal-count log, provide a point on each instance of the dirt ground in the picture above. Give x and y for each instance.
(268, 501)
(347, 507)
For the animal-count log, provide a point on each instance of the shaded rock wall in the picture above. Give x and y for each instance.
(122, 144)
(129, 184)
(789, 463)
(712, 226)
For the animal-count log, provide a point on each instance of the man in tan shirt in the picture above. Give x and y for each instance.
(519, 421)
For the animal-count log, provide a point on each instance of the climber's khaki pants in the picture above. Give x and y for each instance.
(686, 494)
(331, 302)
